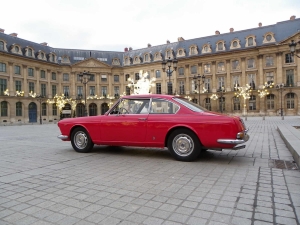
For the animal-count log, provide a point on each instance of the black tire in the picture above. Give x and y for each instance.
(81, 141)
(184, 145)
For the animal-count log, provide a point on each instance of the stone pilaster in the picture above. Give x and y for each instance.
(279, 75)
(187, 79)
(260, 76)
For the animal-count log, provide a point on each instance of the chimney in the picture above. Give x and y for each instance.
(168, 42)
(44, 43)
(126, 49)
(14, 34)
(292, 17)
(149, 45)
(260, 24)
(180, 39)
(1, 30)
(130, 49)
(217, 32)
(231, 30)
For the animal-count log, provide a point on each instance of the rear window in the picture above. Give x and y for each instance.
(192, 106)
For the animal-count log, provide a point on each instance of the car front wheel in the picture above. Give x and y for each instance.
(81, 140)
(184, 145)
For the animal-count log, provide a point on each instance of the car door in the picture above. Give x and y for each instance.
(127, 123)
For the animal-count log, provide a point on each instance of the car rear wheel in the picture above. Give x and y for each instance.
(184, 145)
(81, 140)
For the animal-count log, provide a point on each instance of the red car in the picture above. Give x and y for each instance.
(154, 120)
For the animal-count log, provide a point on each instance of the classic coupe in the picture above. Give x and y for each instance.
(154, 120)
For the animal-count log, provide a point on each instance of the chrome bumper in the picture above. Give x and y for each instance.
(235, 141)
(62, 137)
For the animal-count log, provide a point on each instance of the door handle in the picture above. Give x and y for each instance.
(142, 119)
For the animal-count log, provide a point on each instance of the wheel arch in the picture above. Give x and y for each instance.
(179, 127)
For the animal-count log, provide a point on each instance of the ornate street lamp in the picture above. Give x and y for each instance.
(40, 99)
(199, 78)
(222, 93)
(169, 72)
(292, 46)
(84, 78)
(280, 88)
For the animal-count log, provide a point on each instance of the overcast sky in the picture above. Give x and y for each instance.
(112, 25)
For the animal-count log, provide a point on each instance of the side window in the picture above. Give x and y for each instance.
(161, 106)
(132, 106)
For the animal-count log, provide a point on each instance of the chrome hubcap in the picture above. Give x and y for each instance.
(183, 145)
(80, 140)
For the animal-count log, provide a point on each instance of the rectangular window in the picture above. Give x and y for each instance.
(104, 91)
(30, 72)
(207, 68)
(53, 76)
(43, 90)
(54, 110)
(221, 82)
(116, 91)
(2, 67)
(3, 86)
(269, 61)
(170, 88)
(158, 88)
(236, 81)
(65, 77)
(116, 78)
(103, 78)
(127, 90)
(235, 65)
(31, 87)
(92, 77)
(18, 109)
(17, 70)
(289, 58)
(194, 70)
(251, 81)
(221, 67)
(44, 109)
(157, 74)
(92, 90)
(207, 84)
(250, 63)
(43, 74)
(181, 88)
(54, 90)
(181, 71)
(137, 76)
(18, 85)
(290, 78)
(126, 77)
(269, 77)
(80, 91)
(66, 91)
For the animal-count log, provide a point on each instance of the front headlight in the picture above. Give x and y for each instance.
(240, 135)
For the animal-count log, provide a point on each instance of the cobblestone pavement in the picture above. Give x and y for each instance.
(43, 181)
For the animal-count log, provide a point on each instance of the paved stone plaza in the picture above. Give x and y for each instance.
(44, 181)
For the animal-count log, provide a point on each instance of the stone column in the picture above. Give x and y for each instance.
(228, 75)
(11, 79)
(187, 79)
(73, 76)
(37, 77)
(98, 88)
(279, 75)
(26, 88)
(243, 69)
(110, 87)
(260, 76)
(48, 75)
(214, 77)
(58, 77)
(121, 82)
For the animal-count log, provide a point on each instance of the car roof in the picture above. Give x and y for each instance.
(149, 96)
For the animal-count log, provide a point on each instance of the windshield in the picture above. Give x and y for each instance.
(191, 105)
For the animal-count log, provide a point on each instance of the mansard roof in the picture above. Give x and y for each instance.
(281, 30)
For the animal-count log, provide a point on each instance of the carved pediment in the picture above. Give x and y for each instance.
(295, 37)
(91, 62)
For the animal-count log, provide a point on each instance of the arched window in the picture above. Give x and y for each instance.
(18, 109)
(126, 61)
(80, 110)
(192, 50)
(252, 102)
(270, 101)
(290, 101)
(236, 103)
(250, 41)
(220, 46)
(146, 58)
(4, 109)
(53, 58)
(1, 45)
(44, 109)
(93, 109)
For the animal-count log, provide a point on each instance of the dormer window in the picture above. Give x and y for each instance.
(193, 50)
(157, 56)
(146, 58)
(136, 59)
(269, 38)
(250, 41)
(180, 52)
(116, 61)
(1, 45)
(220, 46)
(30, 52)
(235, 44)
(53, 58)
(206, 48)
(126, 61)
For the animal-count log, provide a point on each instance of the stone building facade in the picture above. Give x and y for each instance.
(253, 57)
